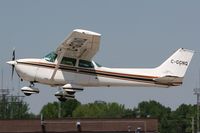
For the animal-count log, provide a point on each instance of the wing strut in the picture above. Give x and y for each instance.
(59, 59)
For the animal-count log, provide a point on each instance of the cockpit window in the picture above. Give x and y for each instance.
(51, 57)
(68, 61)
(86, 64)
(98, 64)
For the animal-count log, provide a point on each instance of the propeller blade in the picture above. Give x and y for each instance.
(12, 72)
(13, 55)
(13, 66)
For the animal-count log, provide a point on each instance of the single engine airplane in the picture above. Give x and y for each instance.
(71, 67)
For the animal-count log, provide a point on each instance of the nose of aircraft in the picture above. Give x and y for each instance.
(11, 62)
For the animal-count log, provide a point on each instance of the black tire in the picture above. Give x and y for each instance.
(27, 94)
(62, 99)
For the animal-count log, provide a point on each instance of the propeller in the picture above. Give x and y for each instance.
(13, 62)
(13, 66)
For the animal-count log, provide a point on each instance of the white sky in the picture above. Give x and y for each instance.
(134, 34)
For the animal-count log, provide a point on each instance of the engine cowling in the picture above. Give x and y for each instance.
(29, 90)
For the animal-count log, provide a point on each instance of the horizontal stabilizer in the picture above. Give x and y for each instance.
(169, 80)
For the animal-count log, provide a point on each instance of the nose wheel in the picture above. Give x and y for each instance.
(30, 89)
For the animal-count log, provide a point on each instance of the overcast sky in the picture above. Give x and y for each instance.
(134, 34)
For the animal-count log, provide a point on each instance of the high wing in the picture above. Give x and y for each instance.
(81, 44)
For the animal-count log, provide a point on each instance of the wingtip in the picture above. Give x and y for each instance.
(87, 32)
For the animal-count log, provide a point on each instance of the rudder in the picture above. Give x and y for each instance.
(177, 64)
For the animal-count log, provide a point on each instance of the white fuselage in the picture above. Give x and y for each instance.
(40, 70)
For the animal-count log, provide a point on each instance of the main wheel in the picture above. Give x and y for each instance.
(27, 94)
(62, 99)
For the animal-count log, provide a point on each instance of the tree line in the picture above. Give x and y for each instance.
(170, 121)
(177, 121)
(13, 107)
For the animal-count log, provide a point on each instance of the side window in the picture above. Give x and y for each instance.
(86, 64)
(68, 61)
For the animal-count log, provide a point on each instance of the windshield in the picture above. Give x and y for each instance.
(98, 64)
(51, 57)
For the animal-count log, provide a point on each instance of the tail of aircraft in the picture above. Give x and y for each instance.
(175, 67)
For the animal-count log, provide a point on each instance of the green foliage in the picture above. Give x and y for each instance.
(68, 107)
(185, 111)
(183, 116)
(178, 121)
(51, 110)
(14, 108)
(101, 110)
(156, 110)
(153, 109)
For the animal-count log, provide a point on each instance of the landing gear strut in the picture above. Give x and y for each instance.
(31, 84)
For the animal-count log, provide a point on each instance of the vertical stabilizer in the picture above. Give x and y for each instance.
(177, 64)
